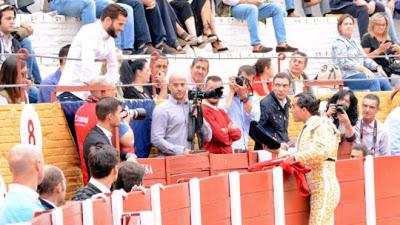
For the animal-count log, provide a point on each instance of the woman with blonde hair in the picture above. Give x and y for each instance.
(378, 46)
(359, 72)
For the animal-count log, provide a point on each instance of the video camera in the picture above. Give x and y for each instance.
(137, 114)
(199, 94)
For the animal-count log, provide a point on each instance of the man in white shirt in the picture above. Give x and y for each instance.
(369, 130)
(22, 201)
(103, 162)
(53, 187)
(93, 42)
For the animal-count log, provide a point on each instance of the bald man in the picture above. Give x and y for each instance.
(22, 201)
(53, 188)
(169, 126)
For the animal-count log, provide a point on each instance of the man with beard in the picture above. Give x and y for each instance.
(170, 123)
(93, 43)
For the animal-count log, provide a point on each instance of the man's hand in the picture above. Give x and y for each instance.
(371, 7)
(391, 5)
(28, 27)
(232, 84)
(187, 151)
(284, 146)
(159, 79)
(149, 4)
(360, 2)
(241, 91)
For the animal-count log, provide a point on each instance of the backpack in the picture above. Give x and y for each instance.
(329, 72)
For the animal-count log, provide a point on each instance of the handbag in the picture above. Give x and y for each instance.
(394, 67)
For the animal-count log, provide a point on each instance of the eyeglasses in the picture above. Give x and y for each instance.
(381, 24)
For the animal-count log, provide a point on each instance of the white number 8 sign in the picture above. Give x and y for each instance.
(30, 129)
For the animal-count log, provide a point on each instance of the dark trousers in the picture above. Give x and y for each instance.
(148, 24)
(169, 20)
(361, 14)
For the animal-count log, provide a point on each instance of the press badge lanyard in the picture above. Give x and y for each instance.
(375, 137)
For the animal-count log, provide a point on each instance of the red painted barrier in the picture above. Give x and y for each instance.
(257, 197)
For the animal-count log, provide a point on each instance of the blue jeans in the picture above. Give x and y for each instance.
(126, 38)
(33, 68)
(355, 84)
(85, 9)
(392, 29)
(289, 4)
(384, 83)
(252, 14)
(33, 94)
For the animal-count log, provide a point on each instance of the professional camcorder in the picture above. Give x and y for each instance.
(199, 94)
(137, 114)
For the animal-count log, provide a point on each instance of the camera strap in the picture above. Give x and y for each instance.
(375, 134)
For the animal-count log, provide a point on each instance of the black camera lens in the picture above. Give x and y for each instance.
(137, 114)
(239, 80)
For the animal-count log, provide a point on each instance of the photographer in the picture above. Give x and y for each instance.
(343, 110)
(242, 107)
(170, 123)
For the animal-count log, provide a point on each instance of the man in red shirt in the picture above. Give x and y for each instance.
(223, 132)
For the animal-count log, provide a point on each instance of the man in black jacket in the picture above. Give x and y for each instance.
(103, 160)
(109, 113)
(275, 110)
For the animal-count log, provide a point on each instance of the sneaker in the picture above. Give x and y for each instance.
(287, 48)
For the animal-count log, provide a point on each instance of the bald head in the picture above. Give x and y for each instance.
(26, 164)
(22, 157)
(177, 77)
(178, 86)
(109, 84)
(53, 176)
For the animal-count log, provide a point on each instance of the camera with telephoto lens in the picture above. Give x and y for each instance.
(199, 94)
(240, 80)
(137, 114)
